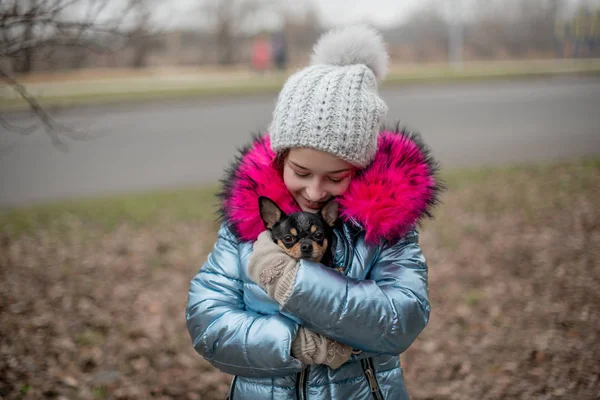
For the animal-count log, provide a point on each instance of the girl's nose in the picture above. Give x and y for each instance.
(315, 193)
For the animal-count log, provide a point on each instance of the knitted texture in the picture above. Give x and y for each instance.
(272, 269)
(334, 105)
(313, 348)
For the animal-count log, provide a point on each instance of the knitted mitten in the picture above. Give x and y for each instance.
(271, 268)
(313, 348)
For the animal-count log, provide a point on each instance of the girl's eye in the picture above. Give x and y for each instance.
(336, 180)
(299, 175)
(318, 235)
(288, 239)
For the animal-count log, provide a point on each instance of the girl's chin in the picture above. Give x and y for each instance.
(310, 210)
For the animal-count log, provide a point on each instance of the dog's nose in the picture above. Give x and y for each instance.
(306, 247)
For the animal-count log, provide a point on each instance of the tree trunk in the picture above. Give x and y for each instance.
(23, 64)
(140, 54)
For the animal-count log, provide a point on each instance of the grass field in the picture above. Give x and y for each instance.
(110, 86)
(94, 291)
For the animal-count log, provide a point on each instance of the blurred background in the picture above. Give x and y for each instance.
(117, 118)
(221, 63)
(230, 32)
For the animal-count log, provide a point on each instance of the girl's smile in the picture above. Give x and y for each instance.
(312, 204)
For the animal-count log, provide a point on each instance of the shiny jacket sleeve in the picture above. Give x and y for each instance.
(233, 339)
(382, 312)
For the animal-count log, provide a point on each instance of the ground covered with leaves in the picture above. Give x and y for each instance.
(93, 312)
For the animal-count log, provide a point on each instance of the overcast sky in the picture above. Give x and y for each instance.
(183, 13)
(382, 12)
(331, 12)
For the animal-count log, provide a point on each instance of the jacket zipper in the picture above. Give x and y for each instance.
(231, 388)
(369, 371)
(346, 252)
(301, 384)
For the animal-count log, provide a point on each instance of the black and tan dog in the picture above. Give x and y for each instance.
(301, 234)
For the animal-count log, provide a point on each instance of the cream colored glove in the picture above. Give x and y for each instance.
(271, 268)
(313, 348)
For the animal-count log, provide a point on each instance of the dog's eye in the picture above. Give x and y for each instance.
(318, 235)
(288, 239)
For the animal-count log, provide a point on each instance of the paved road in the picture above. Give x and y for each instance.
(147, 146)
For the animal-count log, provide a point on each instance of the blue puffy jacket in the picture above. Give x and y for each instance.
(378, 306)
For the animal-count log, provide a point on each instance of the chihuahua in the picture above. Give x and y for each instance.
(301, 234)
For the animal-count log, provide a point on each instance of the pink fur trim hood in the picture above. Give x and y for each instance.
(386, 199)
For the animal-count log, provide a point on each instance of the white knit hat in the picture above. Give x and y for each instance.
(333, 105)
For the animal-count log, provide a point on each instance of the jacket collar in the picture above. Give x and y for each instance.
(386, 199)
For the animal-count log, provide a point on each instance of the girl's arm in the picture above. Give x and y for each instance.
(382, 313)
(233, 339)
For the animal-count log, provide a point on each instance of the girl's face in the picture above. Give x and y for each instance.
(314, 177)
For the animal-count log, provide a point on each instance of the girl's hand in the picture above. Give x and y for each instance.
(271, 268)
(313, 348)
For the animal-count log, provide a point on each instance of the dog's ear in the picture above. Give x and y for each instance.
(269, 211)
(330, 212)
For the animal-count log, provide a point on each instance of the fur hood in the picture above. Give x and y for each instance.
(386, 199)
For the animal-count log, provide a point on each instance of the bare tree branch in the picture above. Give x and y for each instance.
(18, 129)
(40, 27)
(51, 126)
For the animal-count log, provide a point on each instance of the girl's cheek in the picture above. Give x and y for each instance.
(340, 189)
(291, 183)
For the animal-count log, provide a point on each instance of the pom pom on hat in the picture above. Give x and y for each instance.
(357, 44)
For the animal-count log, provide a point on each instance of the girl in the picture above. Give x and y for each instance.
(290, 329)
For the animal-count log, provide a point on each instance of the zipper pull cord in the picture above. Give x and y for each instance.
(373, 385)
(372, 381)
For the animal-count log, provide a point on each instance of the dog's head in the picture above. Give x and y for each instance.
(300, 234)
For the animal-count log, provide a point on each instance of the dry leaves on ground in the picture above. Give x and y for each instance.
(514, 288)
